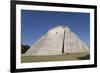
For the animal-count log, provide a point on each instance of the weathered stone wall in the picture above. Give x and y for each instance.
(51, 43)
(73, 44)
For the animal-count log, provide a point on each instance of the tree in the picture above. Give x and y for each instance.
(24, 48)
(85, 57)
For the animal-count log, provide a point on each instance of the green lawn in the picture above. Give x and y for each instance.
(75, 56)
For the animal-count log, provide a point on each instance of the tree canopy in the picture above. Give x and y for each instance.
(24, 48)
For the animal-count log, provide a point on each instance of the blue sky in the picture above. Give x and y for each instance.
(36, 23)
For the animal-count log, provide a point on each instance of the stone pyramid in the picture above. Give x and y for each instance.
(57, 41)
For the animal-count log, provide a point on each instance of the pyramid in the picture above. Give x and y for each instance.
(57, 41)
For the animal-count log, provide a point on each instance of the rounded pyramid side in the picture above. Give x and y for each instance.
(73, 44)
(48, 44)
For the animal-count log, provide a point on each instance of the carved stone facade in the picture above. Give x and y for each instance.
(57, 41)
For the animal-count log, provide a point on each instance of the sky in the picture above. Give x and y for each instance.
(34, 24)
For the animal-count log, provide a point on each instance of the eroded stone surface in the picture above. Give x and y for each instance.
(55, 40)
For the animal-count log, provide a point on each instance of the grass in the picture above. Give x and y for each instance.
(67, 57)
